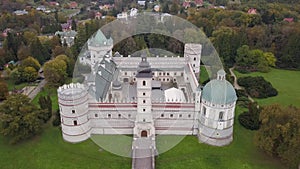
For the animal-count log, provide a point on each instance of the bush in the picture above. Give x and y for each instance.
(56, 120)
(250, 119)
(257, 87)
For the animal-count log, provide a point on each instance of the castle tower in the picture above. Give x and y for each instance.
(99, 46)
(217, 111)
(144, 121)
(73, 106)
(192, 53)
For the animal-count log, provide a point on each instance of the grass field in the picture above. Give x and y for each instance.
(49, 151)
(53, 95)
(11, 85)
(285, 81)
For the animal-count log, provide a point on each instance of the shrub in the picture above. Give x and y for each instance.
(56, 120)
(257, 87)
(250, 119)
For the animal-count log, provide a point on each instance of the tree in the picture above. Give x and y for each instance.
(250, 119)
(23, 52)
(31, 62)
(55, 71)
(226, 41)
(3, 90)
(39, 52)
(29, 74)
(254, 60)
(70, 63)
(279, 133)
(46, 104)
(19, 118)
(271, 59)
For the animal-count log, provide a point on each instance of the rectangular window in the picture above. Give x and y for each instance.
(144, 110)
(73, 111)
(204, 111)
(75, 122)
(171, 115)
(144, 101)
(221, 114)
(168, 74)
(144, 94)
(109, 115)
(96, 115)
(144, 83)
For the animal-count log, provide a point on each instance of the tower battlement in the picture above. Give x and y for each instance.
(72, 91)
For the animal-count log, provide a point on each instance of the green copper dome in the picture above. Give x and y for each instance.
(99, 39)
(219, 91)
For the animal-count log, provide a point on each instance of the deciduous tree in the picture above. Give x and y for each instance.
(280, 132)
(19, 118)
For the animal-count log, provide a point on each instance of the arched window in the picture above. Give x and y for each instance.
(221, 114)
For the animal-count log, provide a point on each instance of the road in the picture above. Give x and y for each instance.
(236, 85)
(37, 89)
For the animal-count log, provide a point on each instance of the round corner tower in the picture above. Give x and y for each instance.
(217, 111)
(73, 107)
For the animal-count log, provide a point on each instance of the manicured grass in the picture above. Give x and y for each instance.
(11, 85)
(53, 95)
(240, 154)
(49, 151)
(285, 81)
(203, 74)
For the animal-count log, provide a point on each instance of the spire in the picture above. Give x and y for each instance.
(144, 68)
(221, 75)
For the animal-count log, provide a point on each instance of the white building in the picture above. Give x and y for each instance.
(145, 96)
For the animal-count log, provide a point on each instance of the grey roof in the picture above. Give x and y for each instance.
(70, 33)
(99, 39)
(104, 76)
(144, 69)
(219, 92)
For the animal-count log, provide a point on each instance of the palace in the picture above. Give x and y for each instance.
(145, 96)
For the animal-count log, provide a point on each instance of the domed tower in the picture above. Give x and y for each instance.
(217, 111)
(99, 46)
(73, 106)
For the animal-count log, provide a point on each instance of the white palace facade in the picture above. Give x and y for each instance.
(145, 96)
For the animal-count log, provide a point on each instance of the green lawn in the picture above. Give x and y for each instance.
(285, 81)
(53, 96)
(203, 74)
(49, 151)
(11, 85)
(240, 154)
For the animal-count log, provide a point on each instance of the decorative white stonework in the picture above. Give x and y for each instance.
(145, 96)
